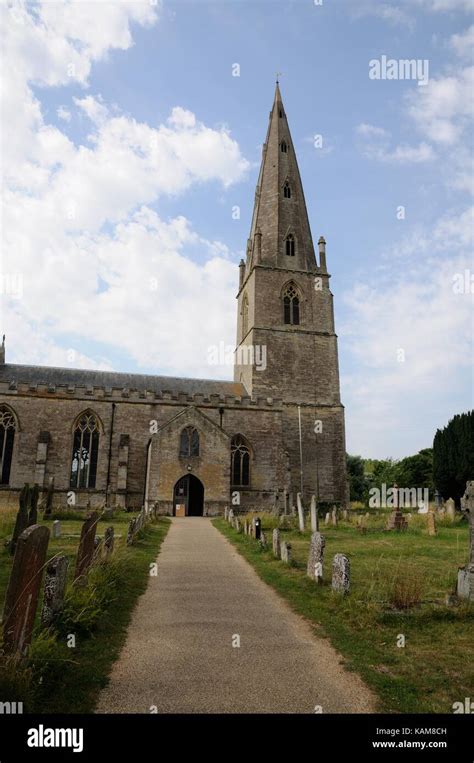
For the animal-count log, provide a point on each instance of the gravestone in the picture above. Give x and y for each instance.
(108, 513)
(230, 516)
(226, 512)
(109, 541)
(23, 589)
(396, 520)
(257, 528)
(263, 539)
(300, 512)
(130, 532)
(285, 551)
(327, 518)
(252, 528)
(21, 522)
(344, 515)
(341, 574)
(431, 523)
(316, 557)
(334, 517)
(465, 586)
(85, 551)
(314, 515)
(450, 509)
(54, 589)
(56, 529)
(237, 524)
(246, 527)
(276, 542)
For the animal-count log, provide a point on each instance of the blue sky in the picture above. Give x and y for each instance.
(123, 171)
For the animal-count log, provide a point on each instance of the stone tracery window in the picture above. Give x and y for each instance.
(284, 147)
(189, 442)
(85, 451)
(240, 461)
(287, 190)
(291, 305)
(7, 436)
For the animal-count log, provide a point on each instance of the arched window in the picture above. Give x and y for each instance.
(7, 436)
(245, 316)
(189, 442)
(240, 461)
(287, 190)
(284, 147)
(290, 245)
(281, 113)
(291, 305)
(85, 451)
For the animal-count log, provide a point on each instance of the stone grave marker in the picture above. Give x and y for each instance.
(276, 542)
(431, 519)
(314, 514)
(341, 574)
(300, 512)
(327, 518)
(465, 586)
(450, 508)
(21, 599)
(85, 551)
(54, 589)
(334, 517)
(109, 541)
(285, 551)
(316, 557)
(56, 529)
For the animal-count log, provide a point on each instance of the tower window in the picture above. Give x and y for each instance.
(290, 245)
(291, 306)
(284, 147)
(85, 451)
(281, 113)
(7, 436)
(240, 461)
(189, 442)
(287, 190)
(245, 316)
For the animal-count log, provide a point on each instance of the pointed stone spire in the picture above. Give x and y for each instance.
(280, 207)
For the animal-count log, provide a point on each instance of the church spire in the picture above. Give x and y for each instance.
(280, 234)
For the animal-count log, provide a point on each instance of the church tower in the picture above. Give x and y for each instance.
(285, 312)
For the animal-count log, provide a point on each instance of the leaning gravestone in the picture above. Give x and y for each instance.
(23, 589)
(341, 574)
(285, 552)
(465, 586)
(56, 529)
(85, 551)
(276, 542)
(450, 509)
(54, 589)
(109, 540)
(300, 512)
(316, 557)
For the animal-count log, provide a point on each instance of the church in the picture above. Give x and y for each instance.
(194, 446)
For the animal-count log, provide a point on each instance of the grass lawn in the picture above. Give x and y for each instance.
(436, 666)
(57, 678)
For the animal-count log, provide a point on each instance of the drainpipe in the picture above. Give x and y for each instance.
(107, 489)
(301, 452)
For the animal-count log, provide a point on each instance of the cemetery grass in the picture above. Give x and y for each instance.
(58, 679)
(399, 582)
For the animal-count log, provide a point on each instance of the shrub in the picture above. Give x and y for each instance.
(406, 590)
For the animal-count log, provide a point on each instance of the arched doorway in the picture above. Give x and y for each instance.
(188, 497)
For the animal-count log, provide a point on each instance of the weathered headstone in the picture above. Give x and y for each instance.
(316, 557)
(237, 524)
(258, 528)
(56, 529)
(276, 542)
(130, 532)
(108, 513)
(85, 551)
(327, 518)
(285, 551)
(314, 514)
(341, 574)
(109, 540)
(396, 520)
(23, 589)
(344, 515)
(263, 539)
(246, 529)
(226, 512)
(54, 589)
(431, 519)
(465, 586)
(450, 509)
(334, 517)
(300, 512)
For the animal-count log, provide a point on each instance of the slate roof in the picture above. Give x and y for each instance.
(50, 375)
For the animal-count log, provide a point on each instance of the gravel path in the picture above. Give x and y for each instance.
(179, 657)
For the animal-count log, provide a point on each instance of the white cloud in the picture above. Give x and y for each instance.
(463, 43)
(442, 109)
(410, 306)
(78, 278)
(375, 144)
(64, 114)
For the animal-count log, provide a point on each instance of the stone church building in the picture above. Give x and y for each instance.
(195, 445)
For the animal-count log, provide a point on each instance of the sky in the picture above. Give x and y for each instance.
(131, 142)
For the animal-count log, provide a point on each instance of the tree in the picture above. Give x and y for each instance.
(453, 456)
(355, 472)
